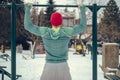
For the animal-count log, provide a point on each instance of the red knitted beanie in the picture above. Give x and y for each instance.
(56, 19)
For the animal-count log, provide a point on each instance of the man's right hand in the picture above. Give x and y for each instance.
(80, 5)
(29, 5)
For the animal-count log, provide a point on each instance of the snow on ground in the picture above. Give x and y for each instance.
(31, 69)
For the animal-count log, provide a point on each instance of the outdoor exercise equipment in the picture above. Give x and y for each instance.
(94, 8)
(4, 72)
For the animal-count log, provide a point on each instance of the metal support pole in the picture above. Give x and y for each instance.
(94, 41)
(3, 75)
(13, 41)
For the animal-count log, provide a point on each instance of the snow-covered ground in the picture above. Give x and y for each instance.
(31, 69)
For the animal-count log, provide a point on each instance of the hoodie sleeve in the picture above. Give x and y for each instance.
(29, 26)
(80, 28)
(72, 31)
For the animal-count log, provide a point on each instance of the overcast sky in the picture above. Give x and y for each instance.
(72, 1)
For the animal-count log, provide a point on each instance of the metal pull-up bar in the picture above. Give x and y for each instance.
(46, 5)
(94, 8)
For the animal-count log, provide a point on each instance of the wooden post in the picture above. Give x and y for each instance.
(110, 55)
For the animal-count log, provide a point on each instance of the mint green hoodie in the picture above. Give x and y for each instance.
(56, 44)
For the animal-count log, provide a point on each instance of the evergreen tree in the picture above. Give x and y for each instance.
(109, 25)
(5, 24)
(34, 17)
(49, 11)
(41, 18)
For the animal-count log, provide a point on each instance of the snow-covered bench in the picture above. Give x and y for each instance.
(113, 76)
(4, 72)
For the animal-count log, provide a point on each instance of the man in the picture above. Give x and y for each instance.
(55, 41)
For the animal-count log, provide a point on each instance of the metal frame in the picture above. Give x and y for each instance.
(94, 8)
(4, 72)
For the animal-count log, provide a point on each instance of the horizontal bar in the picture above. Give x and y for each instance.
(103, 6)
(3, 67)
(70, 5)
(5, 5)
(40, 5)
(45, 5)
